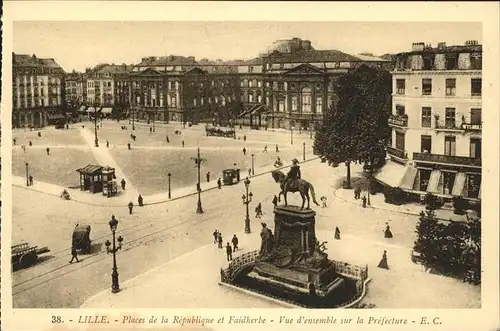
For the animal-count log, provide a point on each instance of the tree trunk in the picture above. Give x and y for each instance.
(348, 164)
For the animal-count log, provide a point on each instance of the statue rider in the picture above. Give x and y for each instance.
(294, 172)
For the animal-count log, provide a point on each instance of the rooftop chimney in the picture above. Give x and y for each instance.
(471, 42)
(441, 45)
(417, 47)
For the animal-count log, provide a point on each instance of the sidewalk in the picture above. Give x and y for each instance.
(191, 281)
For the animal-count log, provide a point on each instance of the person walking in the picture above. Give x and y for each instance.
(244, 138)
(130, 207)
(323, 200)
(229, 252)
(14, 141)
(265, 149)
(275, 201)
(337, 233)
(357, 193)
(183, 144)
(383, 262)
(150, 129)
(30, 143)
(168, 140)
(219, 184)
(48, 151)
(30, 178)
(123, 183)
(107, 144)
(129, 147)
(244, 151)
(235, 243)
(277, 149)
(258, 211)
(219, 240)
(140, 201)
(363, 200)
(74, 255)
(387, 232)
(216, 236)
(208, 177)
(249, 172)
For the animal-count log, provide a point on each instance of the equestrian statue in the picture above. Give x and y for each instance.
(293, 183)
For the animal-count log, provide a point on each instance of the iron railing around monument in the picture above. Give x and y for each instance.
(228, 274)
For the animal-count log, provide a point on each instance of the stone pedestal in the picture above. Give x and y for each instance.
(296, 262)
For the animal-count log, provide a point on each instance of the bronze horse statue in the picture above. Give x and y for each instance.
(299, 185)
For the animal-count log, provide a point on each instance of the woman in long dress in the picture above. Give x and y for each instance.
(383, 262)
(387, 232)
(337, 233)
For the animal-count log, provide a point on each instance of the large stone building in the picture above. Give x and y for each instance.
(37, 91)
(76, 88)
(436, 121)
(289, 86)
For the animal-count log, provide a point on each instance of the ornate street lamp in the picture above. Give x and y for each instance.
(198, 160)
(253, 167)
(169, 175)
(27, 175)
(247, 198)
(113, 224)
(96, 140)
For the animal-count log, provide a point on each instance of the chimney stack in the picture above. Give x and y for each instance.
(441, 45)
(417, 47)
(471, 42)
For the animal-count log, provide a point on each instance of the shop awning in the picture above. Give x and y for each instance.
(390, 174)
(107, 110)
(258, 109)
(432, 187)
(458, 186)
(409, 178)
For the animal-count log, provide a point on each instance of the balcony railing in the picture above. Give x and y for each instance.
(398, 120)
(447, 159)
(448, 126)
(471, 127)
(397, 153)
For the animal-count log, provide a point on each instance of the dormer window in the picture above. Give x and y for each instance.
(250, 69)
(428, 62)
(451, 61)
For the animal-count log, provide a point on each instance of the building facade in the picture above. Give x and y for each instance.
(76, 88)
(436, 120)
(37, 91)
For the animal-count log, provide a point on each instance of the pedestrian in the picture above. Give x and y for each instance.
(244, 138)
(383, 262)
(265, 149)
(337, 233)
(128, 145)
(229, 252)
(48, 151)
(30, 178)
(323, 200)
(14, 141)
(130, 207)
(183, 143)
(140, 201)
(208, 177)
(150, 129)
(123, 183)
(277, 149)
(357, 193)
(198, 187)
(168, 140)
(216, 235)
(74, 254)
(39, 134)
(219, 184)
(24, 148)
(67, 127)
(387, 232)
(219, 240)
(275, 201)
(258, 211)
(249, 172)
(235, 243)
(107, 144)
(30, 143)
(244, 151)
(364, 201)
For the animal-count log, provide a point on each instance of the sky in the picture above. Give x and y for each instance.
(77, 45)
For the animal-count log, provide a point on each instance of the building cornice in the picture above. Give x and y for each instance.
(437, 72)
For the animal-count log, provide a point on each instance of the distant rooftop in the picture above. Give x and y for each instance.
(470, 46)
(25, 60)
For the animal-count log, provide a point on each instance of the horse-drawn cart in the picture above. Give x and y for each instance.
(81, 238)
(24, 255)
(231, 176)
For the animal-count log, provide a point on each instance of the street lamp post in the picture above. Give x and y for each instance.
(96, 141)
(113, 224)
(27, 175)
(253, 167)
(311, 127)
(169, 175)
(291, 135)
(247, 198)
(133, 118)
(303, 151)
(198, 160)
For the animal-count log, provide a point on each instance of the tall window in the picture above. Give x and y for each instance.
(400, 110)
(173, 101)
(475, 147)
(449, 121)
(259, 98)
(250, 83)
(281, 105)
(475, 116)
(306, 100)
(259, 83)
(250, 97)
(319, 105)
(449, 146)
(452, 62)
(400, 86)
(268, 101)
(425, 144)
(476, 61)
(448, 182)
(475, 86)
(194, 102)
(451, 86)
(426, 117)
(400, 141)
(295, 103)
(426, 86)
(473, 185)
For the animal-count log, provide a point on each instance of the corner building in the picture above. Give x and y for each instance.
(436, 121)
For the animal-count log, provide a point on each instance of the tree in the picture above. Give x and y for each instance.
(356, 127)
(427, 230)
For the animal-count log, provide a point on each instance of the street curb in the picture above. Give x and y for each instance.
(161, 201)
